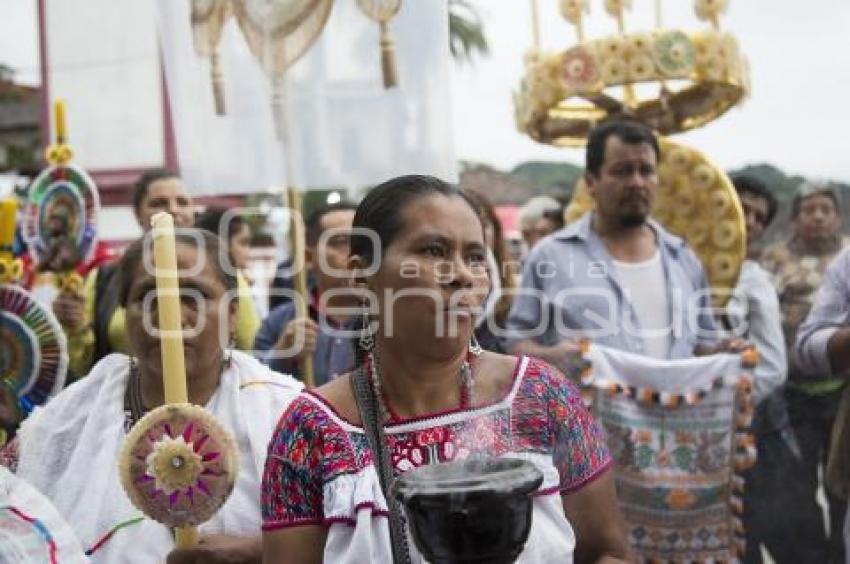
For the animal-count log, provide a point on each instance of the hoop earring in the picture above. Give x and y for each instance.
(474, 347)
(367, 340)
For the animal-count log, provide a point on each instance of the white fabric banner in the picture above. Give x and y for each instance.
(346, 129)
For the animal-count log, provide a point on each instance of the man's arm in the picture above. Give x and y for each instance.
(822, 346)
(269, 334)
(765, 332)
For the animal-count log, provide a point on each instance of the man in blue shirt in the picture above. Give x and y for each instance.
(615, 276)
(277, 342)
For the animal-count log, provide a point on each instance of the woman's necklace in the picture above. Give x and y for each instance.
(373, 370)
(134, 405)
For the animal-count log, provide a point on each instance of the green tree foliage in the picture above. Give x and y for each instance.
(466, 31)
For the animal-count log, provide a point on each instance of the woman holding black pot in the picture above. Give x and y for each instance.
(435, 397)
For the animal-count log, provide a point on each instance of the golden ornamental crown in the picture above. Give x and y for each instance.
(698, 76)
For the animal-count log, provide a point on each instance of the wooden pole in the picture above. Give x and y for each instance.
(296, 226)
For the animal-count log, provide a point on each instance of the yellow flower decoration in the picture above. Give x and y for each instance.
(713, 68)
(639, 43)
(697, 233)
(685, 202)
(614, 7)
(174, 464)
(703, 177)
(641, 68)
(614, 71)
(722, 266)
(719, 204)
(710, 9)
(572, 10)
(679, 159)
(578, 68)
(613, 47)
(724, 234)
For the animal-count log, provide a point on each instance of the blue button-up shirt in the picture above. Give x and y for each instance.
(570, 290)
(334, 354)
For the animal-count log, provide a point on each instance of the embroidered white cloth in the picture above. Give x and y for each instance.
(672, 430)
(31, 530)
(69, 451)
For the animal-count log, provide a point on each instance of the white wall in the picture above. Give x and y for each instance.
(103, 60)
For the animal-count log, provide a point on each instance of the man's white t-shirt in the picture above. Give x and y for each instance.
(646, 290)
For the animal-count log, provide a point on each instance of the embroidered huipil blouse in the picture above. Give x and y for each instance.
(319, 470)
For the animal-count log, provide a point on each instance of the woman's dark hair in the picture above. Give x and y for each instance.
(140, 188)
(212, 245)
(745, 184)
(628, 131)
(211, 220)
(382, 210)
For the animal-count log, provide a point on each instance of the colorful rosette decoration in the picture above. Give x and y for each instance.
(674, 53)
(579, 70)
(33, 349)
(60, 219)
(178, 465)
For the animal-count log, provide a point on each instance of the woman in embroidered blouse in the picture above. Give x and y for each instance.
(322, 498)
(68, 450)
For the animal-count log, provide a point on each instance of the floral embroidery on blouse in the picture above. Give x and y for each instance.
(546, 415)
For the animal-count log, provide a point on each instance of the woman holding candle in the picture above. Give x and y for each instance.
(68, 449)
(94, 321)
(440, 398)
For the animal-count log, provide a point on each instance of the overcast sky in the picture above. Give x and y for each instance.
(796, 119)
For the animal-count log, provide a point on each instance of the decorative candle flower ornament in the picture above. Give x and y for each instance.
(178, 465)
(382, 11)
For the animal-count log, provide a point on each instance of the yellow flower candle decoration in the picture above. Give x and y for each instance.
(178, 464)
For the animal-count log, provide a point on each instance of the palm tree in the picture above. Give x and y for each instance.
(466, 31)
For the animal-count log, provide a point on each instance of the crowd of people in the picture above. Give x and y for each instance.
(414, 303)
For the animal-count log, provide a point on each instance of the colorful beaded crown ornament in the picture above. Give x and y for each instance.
(697, 76)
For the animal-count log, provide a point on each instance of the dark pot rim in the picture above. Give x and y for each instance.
(499, 477)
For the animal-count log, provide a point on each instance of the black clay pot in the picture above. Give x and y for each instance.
(474, 510)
